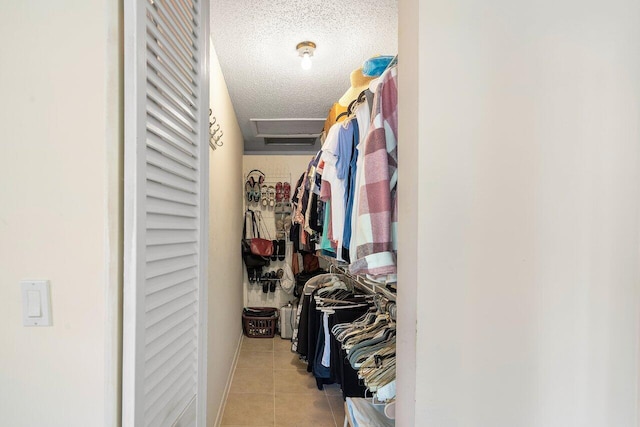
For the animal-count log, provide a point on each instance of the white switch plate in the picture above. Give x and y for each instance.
(36, 303)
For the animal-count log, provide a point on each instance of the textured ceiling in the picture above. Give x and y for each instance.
(255, 41)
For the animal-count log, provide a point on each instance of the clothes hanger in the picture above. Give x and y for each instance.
(351, 109)
(373, 328)
(344, 113)
(344, 330)
(393, 62)
(336, 307)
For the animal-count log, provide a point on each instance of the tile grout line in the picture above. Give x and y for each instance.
(309, 393)
(330, 407)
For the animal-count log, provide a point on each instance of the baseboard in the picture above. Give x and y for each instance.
(227, 387)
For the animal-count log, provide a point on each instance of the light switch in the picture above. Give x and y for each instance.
(36, 303)
(33, 304)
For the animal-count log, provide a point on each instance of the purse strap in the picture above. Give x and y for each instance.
(253, 225)
(244, 225)
(264, 227)
(256, 222)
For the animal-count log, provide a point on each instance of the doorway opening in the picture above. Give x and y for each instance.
(254, 54)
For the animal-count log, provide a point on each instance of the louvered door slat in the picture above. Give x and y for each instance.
(169, 389)
(159, 395)
(175, 356)
(169, 116)
(167, 339)
(168, 359)
(169, 122)
(168, 280)
(156, 67)
(155, 269)
(191, 3)
(169, 105)
(168, 222)
(166, 25)
(155, 48)
(169, 146)
(159, 191)
(181, 32)
(185, 421)
(183, 21)
(178, 27)
(166, 40)
(188, 12)
(168, 208)
(161, 44)
(162, 318)
(169, 179)
(160, 298)
(168, 237)
(164, 325)
(170, 69)
(173, 95)
(178, 392)
(158, 159)
(164, 252)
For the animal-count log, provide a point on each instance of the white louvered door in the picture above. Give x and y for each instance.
(166, 202)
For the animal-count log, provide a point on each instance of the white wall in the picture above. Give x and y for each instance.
(225, 230)
(277, 168)
(60, 160)
(525, 169)
(409, 196)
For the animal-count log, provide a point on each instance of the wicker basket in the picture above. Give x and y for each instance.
(259, 322)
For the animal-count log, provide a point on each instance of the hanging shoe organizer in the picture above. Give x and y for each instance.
(269, 192)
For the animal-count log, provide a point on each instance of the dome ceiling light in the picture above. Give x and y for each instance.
(305, 50)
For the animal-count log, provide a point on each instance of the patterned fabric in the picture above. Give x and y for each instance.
(376, 249)
(363, 116)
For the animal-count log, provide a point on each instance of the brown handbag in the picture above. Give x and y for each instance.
(262, 247)
(257, 245)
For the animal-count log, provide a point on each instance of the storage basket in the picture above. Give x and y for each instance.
(259, 322)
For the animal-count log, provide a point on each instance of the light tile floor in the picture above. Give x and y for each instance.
(271, 387)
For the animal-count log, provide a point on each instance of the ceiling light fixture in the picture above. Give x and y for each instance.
(305, 50)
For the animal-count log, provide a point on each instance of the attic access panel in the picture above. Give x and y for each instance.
(287, 128)
(292, 141)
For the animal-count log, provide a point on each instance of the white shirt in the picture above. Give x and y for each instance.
(330, 174)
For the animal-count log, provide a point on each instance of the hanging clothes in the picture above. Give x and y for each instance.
(370, 345)
(345, 203)
(336, 114)
(345, 206)
(333, 188)
(376, 232)
(348, 150)
(313, 185)
(363, 116)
